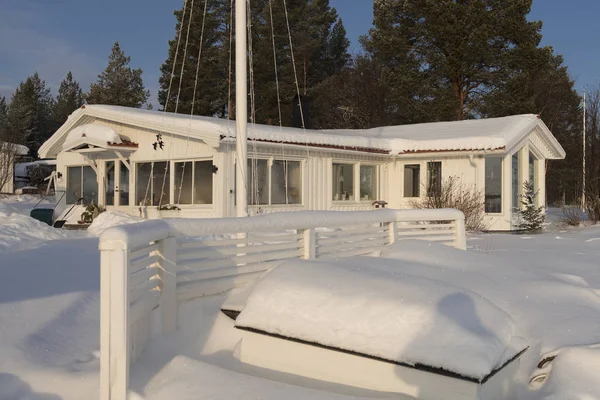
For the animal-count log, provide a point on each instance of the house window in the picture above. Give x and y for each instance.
(343, 182)
(412, 180)
(82, 184)
(152, 184)
(109, 183)
(434, 178)
(493, 185)
(123, 185)
(193, 182)
(257, 182)
(286, 182)
(368, 182)
(532, 170)
(515, 180)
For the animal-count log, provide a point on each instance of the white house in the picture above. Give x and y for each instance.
(137, 160)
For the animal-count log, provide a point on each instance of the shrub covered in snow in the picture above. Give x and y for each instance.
(108, 219)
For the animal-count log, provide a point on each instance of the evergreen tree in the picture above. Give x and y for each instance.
(30, 113)
(69, 99)
(211, 92)
(119, 84)
(532, 217)
(3, 115)
(337, 56)
(445, 56)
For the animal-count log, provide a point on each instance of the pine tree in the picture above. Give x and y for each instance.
(337, 56)
(30, 113)
(443, 57)
(119, 84)
(69, 99)
(3, 115)
(532, 217)
(211, 92)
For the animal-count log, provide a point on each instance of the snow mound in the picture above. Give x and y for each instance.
(20, 232)
(187, 379)
(108, 219)
(394, 316)
(92, 132)
(574, 375)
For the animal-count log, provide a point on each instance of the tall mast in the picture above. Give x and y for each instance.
(241, 109)
(583, 185)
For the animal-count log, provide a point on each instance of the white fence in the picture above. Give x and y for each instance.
(147, 268)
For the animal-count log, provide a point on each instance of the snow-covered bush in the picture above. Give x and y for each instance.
(531, 217)
(455, 194)
(38, 173)
(570, 216)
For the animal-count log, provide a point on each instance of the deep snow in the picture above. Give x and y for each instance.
(49, 313)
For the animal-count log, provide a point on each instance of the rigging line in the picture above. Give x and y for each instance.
(254, 173)
(187, 40)
(193, 99)
(229, 105)
(287, 21)
(168, 95)
(278, 96)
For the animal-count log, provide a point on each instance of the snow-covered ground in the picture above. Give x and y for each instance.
(548, 284)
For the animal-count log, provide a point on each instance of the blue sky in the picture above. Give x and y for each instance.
(55, 36)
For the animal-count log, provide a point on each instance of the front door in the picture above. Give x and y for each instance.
(116, 184)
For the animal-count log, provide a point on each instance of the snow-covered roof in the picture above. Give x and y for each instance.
(20, 150)
(473, 135)
(395, 317)
(92, 133)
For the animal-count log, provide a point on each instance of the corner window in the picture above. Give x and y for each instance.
(343, 182)
(368, 182)
(412, 180)
(434, 178)
(286, 182)
(152, 184)
(193, 182)
(82, 184)
(493, 185)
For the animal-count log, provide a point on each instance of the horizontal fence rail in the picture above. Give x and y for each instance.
(149, 267)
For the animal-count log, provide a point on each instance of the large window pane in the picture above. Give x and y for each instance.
(124, 185)
(183, 182)
(532, 170)
(257, 182)
(515, 180)
(286, 182)
(149, 184)
(434, 178)
(203, 182)
(90, 186)
(368, 182)
(343, 182)
(493, 185)
(412, 180)
(109, 183)
(74, 189)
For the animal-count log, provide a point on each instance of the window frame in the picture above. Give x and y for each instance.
(418, 185)
(170, 191)
(270, 168)
(501, 158)
(377, 189)
(429, 192)
(192, 161)
(81, 167)
(355, 178)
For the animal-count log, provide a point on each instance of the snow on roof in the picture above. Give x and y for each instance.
(92, 133)
(20, 150)
(393, 316)
(482, 134)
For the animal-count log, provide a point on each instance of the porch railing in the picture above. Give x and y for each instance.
(149, 267)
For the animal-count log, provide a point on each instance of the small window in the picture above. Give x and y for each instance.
(152, 183)
(412, 180)
(493, 185)
(257, 182)
(368, 182)
(434, 178)
(532, 170)
(286, 182)
(343, 182)
(124, 185)
(515, 180)
(193, 182)
(109, 183)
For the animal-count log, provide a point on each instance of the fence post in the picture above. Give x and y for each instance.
(168, 298)
(393, 231)
(114, 320)
(461, 238)
(310, 243)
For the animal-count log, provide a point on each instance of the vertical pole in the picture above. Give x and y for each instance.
(310, 243)
(460, 232)
(241, 109)
(583, 183)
